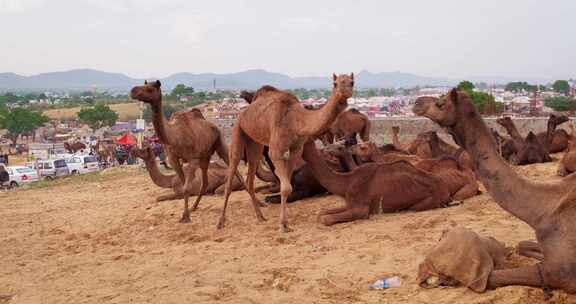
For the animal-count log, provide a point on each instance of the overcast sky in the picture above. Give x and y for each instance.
(145, 38)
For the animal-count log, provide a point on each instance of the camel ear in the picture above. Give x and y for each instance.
(334, 77)
(352, 75)
(145, 82)
(158, 84)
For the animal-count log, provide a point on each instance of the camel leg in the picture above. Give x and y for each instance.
(236, 153)
(284, 171)
(254, 154)
(351, 214)
(204, 163)
(175, 163)
(425, 204)
(187, 190)
(468, 191)
(531, 249)
(169, 197)
(526, 276)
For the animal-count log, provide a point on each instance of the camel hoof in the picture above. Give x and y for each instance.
(185, 219)
(261, 218)
(284, 228)
(220, 225)
(561, 172)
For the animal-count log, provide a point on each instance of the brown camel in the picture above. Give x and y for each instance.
(556, 140)
(303, 182)
(188, 138)
(567, 164)
(549, 208)
(216, 177)
(529, 150)
(348, 124)
(276, 119)
(454, 171)
(400, 185)
(74, 147)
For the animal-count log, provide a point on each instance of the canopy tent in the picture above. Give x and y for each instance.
(126, 139)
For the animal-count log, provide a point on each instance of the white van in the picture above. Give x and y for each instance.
(82, 164)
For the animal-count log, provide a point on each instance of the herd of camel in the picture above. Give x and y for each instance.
(276, 131)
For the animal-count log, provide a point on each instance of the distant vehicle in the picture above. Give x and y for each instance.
(20, 175)
(82, 164)
(50, 168)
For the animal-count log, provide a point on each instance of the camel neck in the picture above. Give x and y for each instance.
(160, 123)
(159, 179)
(334, 182)
(512, 131)
(513, 193)
(318, 121)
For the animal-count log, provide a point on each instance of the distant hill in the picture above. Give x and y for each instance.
(84, 79)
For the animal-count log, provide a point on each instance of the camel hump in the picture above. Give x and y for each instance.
(266, 89)
(531, 137)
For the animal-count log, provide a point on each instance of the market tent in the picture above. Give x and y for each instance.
(126, 139)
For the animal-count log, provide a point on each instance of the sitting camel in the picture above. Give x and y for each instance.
(549, 207)
(528, 150)
(418, 146)
(400, 185)
(188, 138)
(216, 178)
(303, 182)
(567, 164)
(276, 119)
(454, 171)
(556, 140)
(348, 124)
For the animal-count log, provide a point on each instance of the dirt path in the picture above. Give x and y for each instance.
(106, 240)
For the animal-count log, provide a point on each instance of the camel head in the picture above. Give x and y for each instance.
(446, 110)
(150, 92)
(364, 150)
(145, 153)
(504, 121)
(343, 85)
(554, 120)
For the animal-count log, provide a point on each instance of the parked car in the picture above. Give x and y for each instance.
(50, 168)
(20, 175)
(82, 164)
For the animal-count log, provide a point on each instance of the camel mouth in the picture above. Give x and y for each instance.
(418, 108)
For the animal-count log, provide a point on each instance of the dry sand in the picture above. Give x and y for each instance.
(104, 239)
(126, 111)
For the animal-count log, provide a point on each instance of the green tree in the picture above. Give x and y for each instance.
(21, 120)
(181, 90)
(466, 86)
(520, 86)
(560, 103)
(561, 86)
(98, 116)
(167, 110)
(484, 102)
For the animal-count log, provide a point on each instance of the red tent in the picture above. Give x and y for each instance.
(126, 139)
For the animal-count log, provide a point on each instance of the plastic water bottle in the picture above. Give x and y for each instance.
(386, 283)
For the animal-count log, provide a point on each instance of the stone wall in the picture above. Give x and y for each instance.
(410, 127)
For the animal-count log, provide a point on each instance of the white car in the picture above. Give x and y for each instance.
(82, 164)
(20, 175)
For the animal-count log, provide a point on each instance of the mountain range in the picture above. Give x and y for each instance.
(83, 79)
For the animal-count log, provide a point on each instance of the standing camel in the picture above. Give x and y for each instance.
(549, 208)
(188, 137)
(276, 119)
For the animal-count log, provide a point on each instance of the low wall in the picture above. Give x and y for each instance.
(411, 127)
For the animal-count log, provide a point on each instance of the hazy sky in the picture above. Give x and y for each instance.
(144, 38)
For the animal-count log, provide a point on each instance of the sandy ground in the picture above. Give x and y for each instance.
(104, 239)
